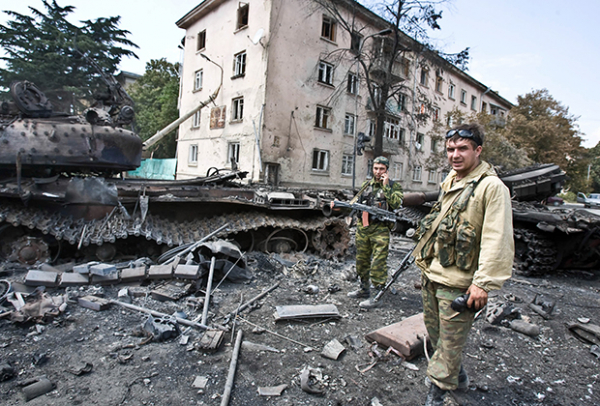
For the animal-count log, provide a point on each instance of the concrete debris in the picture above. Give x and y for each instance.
(354, 342)
(81, 369)
(200, 382)
(94, 303)
(589, 333)
(248, 345)
(406, 336)
(524, 327)
(305, 311)
(309, 378)
(271, 390)
(333, 349)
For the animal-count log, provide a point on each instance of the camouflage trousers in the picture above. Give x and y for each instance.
(447, 330)
(372, 247)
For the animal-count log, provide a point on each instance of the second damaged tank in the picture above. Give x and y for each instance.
(59, 193)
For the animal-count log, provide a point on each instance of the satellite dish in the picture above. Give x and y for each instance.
(259, 34)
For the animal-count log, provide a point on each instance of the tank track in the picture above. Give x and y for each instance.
(536, 255)
(329, 237)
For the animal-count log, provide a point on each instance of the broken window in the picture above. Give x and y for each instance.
(349, 124)
(401, 102)
(237, 109)
(352, 86)
(325, 73)
(201, 41)
(320, 160)
(233, 153)
(322, 119)
(193, 154)
(391, 128)
(347, 164)
(242, 15)
(239, 64)
(436, 113)
(419, 142)
(328, 28)
(196, 120)
(198, 79)
(438, 84)
(417, 174)
(355, 41)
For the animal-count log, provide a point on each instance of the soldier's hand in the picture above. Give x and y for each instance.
(477, 297)
(385, 179)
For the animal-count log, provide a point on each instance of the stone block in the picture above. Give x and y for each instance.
(187, 272)
(161, 271)
(105, 280)
(74, 279)
(94, 303)
(133, 274)
(405, 336)
(41, 278)
(103, 270)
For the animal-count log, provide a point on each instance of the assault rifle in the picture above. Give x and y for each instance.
(406, 262)
(377, 213)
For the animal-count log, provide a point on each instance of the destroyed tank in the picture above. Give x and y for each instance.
(59, 195)
(546, 238)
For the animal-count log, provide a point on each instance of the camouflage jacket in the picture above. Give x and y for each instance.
(392, 194)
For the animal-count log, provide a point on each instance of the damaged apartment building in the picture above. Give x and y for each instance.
(294, 99)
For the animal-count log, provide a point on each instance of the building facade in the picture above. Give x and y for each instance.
(293, 99)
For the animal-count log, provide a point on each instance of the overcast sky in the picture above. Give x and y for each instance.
(516, 46)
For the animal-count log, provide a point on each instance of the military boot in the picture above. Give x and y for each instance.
(463, 380)
(363, 292)
(435, 397)
(371, 302)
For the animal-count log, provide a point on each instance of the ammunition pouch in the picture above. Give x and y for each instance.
(465, 245)
(446, 237)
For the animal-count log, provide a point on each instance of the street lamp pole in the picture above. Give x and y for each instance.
(384, 32)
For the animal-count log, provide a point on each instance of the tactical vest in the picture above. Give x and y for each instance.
(456, 237)
(373, 198)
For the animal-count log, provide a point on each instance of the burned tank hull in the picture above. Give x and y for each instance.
(59, 196)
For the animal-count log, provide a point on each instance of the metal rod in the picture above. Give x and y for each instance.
(159, 314)
(208, 287)
(275, 334)
(232, 368)
(254, 299)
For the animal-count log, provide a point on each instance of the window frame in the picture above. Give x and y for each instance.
(420, 140)
(352, 84)
(201, 40)
(391, 128)
(417, 174)
(325, 73)
(432, 176)
(320, 158)
(193, 154)
(474, 102)
(397, 171)
(355, 41)
(196, 120)
(322, 119)
(198, 83)
(330, 23)
(243, 16)
(452, 91)
(239, 64)
(237, 109)
(463, 96)
(439, 81)
(233, 151)
(347, 164)
(349, 124)
(424, 77)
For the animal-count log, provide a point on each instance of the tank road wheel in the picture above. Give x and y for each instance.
(286, 240)
(535, 255)
(332, 239)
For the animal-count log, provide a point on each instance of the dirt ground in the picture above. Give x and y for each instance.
(505, 367)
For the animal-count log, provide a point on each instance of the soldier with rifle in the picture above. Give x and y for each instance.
(376, 198)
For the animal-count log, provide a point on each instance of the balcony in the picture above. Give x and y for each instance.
(399, 70)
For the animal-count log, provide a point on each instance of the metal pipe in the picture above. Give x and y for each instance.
(208, 288)
(232, 368)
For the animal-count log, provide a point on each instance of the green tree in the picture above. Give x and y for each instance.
(155, 95)
(46, 49)
(545, 129)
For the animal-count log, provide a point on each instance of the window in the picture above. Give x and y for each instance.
(326, 73)
(347, 164)
(233, 152)
(320, 160)
(473, 102)
(463, 96)
(372, 128)
(355, 40)
(451, 91)
(402, 135)
(349, 124)
(432, 177)
(328, 28)
(436, 113)
(417, 174)
(239, 64)
(401, 102)
(242, 15)
(193, 154)
(419, 142)
(484, 107)
(450, 121)
(196, 120)
(438, 84)
(352, 86)
(198, 79)
(391, 128)
(424, 77)
(397, 168)
(237, 109)
(434, 145)
(201, 41)
(323, 114)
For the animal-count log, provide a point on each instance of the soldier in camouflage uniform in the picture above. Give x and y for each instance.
(465, 246)
(372, 235)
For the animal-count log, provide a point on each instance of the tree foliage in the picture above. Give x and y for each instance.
(46, 49)
(544, 128)
(155, 95)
